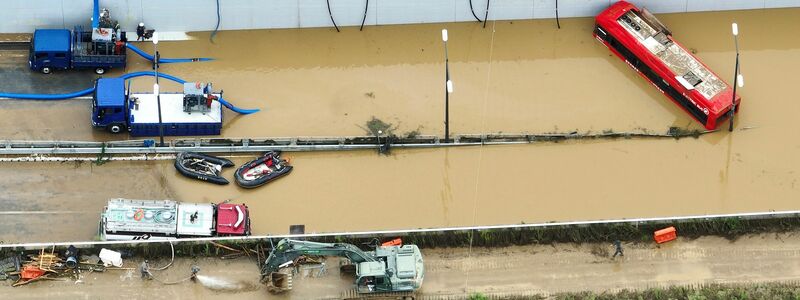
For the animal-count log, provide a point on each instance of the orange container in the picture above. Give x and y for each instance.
(31, 272)
(394, 242)
(665, 235)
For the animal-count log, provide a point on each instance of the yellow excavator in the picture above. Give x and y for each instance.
(388, 272)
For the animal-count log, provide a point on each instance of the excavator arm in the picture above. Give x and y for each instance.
(288, 250)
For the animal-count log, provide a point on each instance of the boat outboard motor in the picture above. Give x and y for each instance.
(72, 257)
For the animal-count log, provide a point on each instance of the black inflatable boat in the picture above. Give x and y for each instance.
(202, 167)
(264, 169)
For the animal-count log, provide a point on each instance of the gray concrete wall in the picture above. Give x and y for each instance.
(198, 15)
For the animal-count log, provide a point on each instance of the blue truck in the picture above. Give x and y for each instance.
(61, 49)
(191, 113)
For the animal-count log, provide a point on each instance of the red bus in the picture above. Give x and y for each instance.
(643, 42)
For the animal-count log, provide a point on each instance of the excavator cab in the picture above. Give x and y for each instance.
(373, 284)
(372, 277)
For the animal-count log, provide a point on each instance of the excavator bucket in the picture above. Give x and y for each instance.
(279, 282)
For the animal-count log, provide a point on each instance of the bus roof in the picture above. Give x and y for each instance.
(51, 40)
(687, 73)
(687, 70)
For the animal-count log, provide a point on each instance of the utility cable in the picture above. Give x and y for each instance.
(366, 8)
(480, 149)
(331, 14)
(557, 22)
(213, 34)
(473, 12)
(486, 17)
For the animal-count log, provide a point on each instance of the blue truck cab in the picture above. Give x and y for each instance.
(50, 49)
(62, 49)
(109, 101)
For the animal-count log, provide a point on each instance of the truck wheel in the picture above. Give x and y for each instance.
(115, 128)
(99, 71)
(46, 70)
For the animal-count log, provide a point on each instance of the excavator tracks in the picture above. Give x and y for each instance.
(354, 295)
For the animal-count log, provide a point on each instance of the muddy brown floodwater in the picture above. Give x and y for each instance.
(521, 76)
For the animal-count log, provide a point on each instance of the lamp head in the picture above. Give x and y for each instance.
(155, 38)
(740, 80)
(735, 29)
(449, 86)
(155, 89)
(444, 35)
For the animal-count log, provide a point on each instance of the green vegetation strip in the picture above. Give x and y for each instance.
(749, 291)
(730, 228)
(633, 232)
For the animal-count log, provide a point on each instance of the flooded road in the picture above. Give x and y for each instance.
(527, 77)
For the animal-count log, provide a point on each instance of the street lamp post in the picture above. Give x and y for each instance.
(738, 80)
(448, 88)
(156, 89)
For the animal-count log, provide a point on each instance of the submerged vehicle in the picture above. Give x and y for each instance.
(128, 219)
(202, 167)
(262, 170)
(641, 40)
(390, 271)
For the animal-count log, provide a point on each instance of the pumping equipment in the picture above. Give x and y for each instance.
(103, 48)
(100, 50)
(197, 97)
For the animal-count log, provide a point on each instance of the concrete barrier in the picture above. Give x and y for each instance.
(638, 222)
(21, 16)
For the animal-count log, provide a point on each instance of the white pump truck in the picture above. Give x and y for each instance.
(388, 272)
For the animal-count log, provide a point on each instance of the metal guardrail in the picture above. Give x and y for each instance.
(208, 145)
(14, 45)
(377, 233)
(249, 145)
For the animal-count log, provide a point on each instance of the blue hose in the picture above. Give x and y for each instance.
(181, 81)
(96, 14)
(126, 77)
(48, 97)
(235, 109)
(153, 74)
(164, 60)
